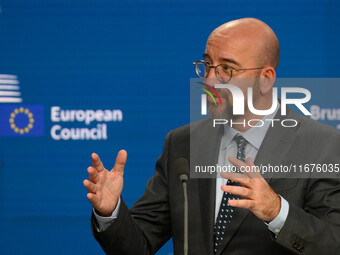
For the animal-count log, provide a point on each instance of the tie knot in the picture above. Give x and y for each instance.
(240, 141)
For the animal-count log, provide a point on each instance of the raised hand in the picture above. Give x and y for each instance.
(258, 196)
(105, 186)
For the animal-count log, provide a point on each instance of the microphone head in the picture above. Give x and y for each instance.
(182, 169)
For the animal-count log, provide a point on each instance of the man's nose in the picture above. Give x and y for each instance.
(211, 73)
(211, 79)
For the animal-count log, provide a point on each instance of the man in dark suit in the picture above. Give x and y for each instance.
(274, 216)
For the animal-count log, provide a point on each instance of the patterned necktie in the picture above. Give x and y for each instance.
(225, 213)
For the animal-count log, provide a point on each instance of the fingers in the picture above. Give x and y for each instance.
(242, 203)
(120, 162)
(232, 175)
(236, 162)
(96, 162)
(237, 177)
(90, 186)
(250, 162)
(93, 174)
(93, 199)
(248, 168)
(237, 190)
(255, 173)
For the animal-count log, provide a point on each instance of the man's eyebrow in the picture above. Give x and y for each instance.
(206, 55)
(230, 61)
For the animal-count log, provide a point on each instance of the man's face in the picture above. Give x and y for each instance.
(237, 51)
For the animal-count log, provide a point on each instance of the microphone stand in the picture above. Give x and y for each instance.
(185, 217)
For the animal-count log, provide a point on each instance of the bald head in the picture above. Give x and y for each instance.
(254, 36)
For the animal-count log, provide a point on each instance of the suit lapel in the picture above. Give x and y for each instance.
(277, 143)
(205, 152)
(207, 205)
(274, 148)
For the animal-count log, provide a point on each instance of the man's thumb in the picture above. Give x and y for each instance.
(120, 162)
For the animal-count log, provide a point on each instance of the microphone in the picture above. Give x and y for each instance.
(182, 171)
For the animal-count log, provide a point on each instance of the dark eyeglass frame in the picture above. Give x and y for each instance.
(216, 73)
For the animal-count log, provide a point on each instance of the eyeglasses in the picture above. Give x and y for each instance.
(223, 72)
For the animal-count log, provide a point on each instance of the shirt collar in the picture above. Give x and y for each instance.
(253, 135)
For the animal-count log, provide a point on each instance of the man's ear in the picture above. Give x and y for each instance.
(268, 76)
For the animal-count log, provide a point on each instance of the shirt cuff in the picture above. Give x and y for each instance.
(104, 222)
(277, 224)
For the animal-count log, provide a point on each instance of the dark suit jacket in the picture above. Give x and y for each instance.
(312, 225)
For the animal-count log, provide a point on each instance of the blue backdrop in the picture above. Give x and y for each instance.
(134, 59)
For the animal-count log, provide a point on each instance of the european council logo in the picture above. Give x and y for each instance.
(21, 120)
